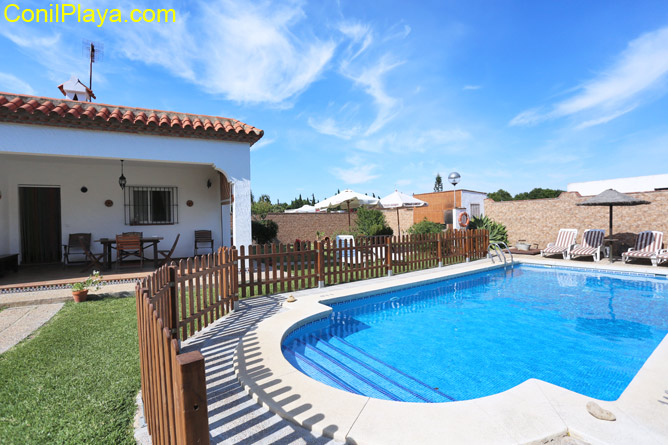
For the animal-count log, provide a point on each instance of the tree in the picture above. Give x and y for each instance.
(500, 195)
(438, 184)
(372, 222)
(425, 227)
(264, 231)
(539, 193)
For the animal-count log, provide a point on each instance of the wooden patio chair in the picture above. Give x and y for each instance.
(129, 246)
(77, 244)
(167, 254)
(203, 240)
(93, 260)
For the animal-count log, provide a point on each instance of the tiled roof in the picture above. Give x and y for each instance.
(25, 109)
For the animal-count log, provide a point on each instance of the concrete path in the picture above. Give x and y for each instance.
(30, 298)
(17, 323)
(234, 417)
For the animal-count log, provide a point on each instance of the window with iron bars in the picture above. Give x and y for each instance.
(475, 210)
(149, 205)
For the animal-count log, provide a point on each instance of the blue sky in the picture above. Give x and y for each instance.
(385, 94)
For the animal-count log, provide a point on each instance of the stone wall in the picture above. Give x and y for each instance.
(304, 226)
(539, 220)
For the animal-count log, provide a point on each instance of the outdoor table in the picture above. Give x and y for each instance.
(108, 243)
(611, 245)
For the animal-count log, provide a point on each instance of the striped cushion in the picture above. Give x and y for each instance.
(663, 255)
(555, 249)
(592, 238)
(584, 251)
(638, 254)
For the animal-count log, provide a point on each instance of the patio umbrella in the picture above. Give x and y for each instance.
(612, 198)
(352, 200)
(398, 200)
(303, 209)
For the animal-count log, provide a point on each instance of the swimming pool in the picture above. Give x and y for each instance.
(481, 334)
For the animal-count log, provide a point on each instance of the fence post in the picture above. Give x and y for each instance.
(190, 405)
(173, 318)
(320, 264)
(388, 256)
(439, 246)
(234, 277)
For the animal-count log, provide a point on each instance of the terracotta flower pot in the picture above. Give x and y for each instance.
(80, 295)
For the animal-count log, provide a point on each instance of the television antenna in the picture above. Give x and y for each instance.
(95, 53)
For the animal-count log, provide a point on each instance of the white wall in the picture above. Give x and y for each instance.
(86, 212)
(232, 158)
(469, 198)
(623, 185)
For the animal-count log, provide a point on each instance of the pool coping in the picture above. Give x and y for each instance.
(531, 412)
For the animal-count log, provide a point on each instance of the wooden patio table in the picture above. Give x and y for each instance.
(108, 243)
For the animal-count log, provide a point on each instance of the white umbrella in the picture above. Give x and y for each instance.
(398, 200)
(303, 209)
(352, 200)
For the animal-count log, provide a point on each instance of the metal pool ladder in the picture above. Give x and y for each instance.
(496, 250)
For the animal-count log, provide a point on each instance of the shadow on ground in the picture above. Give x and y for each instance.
(234, 417)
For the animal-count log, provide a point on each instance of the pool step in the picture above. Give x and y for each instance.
(314, 371)
(360, 383)
(404, 393)
(417, 387)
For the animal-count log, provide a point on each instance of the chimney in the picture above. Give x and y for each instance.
(74, 89)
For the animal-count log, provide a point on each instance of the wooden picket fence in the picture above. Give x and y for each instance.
(273, 268)
(173, 303)
(178, 300)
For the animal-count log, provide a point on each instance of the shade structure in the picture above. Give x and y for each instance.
(398, 200)
(611, 198)
(303, 209)
(348, 199)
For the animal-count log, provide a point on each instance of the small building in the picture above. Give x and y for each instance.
(624, 185)
(61, 160)
(441, 206)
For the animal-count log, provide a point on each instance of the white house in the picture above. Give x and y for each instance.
(623, 185)
(60, 163)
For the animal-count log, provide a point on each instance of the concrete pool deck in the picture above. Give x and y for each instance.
(532, 412)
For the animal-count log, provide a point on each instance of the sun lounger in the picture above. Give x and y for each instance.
(648, 244)
(660, 257)
(563, 245)
(592, 242)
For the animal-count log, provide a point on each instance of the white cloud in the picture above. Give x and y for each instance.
(639, 69)
(12, 84)
(330, 127)
(245, 52)
(262, 143)
(358, 172)
(432, 141)
(471, 87)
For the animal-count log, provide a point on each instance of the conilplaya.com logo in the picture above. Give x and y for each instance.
(75, 12)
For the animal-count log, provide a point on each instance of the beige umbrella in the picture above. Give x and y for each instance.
(398, 200)
(349, 198)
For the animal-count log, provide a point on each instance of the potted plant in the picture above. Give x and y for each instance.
(80, 289)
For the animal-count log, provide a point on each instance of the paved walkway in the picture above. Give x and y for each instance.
(235, 417)
(38, 297)
(17, 323)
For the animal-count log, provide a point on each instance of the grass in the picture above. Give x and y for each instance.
(76, 380)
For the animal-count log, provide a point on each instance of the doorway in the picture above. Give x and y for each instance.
(39, 210)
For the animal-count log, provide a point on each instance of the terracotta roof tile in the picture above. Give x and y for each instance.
(69, 113)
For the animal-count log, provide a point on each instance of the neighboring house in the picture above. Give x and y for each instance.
(623, 185)
(441, 206)
(60, 163)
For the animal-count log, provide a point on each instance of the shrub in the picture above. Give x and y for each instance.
(264, 231)
(497, 231)
(372, 223)
(425, 227)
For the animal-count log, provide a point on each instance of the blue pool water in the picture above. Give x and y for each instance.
(484, 333)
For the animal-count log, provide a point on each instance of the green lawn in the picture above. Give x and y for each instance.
(76, 381)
